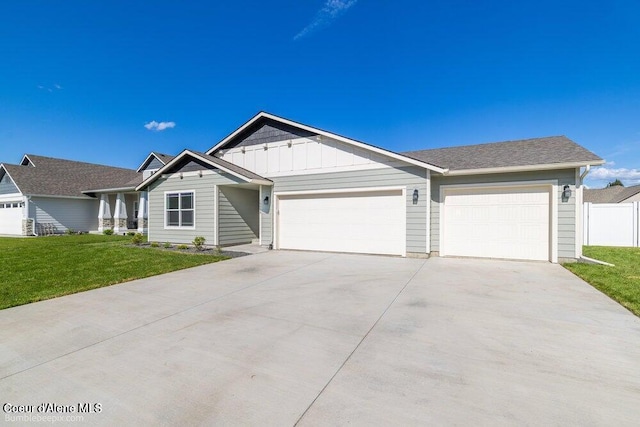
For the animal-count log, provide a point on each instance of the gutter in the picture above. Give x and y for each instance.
(587, 168)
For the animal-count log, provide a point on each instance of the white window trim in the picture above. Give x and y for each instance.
(177, 227)
(551, 183)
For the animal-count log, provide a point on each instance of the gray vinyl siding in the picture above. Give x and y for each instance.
(409, 177)
(153, 164)
(205, 188)
(7, 185)
(566, 210)
(64, 214)
(237, 215)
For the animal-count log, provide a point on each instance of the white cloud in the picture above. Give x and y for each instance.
(605, 174)
(159, 126)
(331, 10)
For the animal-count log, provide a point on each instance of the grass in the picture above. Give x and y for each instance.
(40, 268)
(622, 282)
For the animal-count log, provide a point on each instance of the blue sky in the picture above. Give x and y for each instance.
(109, 81)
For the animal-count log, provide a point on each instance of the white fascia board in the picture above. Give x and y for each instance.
(328, 135)
(9, 175)
(30, 162)
(526, 168)
(51, 196)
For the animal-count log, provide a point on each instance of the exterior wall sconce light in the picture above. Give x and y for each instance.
(243, 150)
(289, 144)
(181, 175)
(566, 193)
(200, 174)
(265, 201)
(415, 196)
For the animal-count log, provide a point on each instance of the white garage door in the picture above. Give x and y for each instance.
(506, 222)
(361, 222)
(10, 218)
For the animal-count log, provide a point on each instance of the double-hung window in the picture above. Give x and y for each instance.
(180, 209)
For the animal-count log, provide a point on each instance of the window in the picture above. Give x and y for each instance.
(135, 209)
(180, 209)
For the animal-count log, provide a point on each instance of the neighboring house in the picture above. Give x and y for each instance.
(613, 194)
(292, 186)
(44, 195)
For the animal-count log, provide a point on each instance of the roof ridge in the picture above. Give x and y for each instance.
(74, 161)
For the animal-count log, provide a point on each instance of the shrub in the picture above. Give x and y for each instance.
(131, 233)
(107, 232)
(70, 231)
(137, 239)
(167, 245)
(183, 247)
(155, 244)
(198, 242)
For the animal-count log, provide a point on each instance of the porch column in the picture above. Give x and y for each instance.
(143, 212)
(104, 214)
(120, 215)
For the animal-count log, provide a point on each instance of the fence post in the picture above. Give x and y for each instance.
(636, 224)
(585, 222)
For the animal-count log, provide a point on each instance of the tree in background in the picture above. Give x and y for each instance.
(616, 182)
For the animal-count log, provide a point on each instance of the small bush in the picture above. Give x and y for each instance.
(70, 231)
(131, 233)
(167, 245)
(107, 232)
(155, 244)
(183, 247)
(137, 239)
(198, 242)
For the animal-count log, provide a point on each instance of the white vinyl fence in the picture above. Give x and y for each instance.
(611, 224)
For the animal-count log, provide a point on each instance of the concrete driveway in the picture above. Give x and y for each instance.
(281, 338)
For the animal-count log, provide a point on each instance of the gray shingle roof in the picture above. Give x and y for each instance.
(526, 152)
(59, 177)
(614, 194)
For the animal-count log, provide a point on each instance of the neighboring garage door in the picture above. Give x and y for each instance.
(10, 218)
(362, 222)
(500, 222)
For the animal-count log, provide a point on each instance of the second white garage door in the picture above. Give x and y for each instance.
(505, 222)
(372, 222)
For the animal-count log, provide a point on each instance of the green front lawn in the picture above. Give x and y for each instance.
(622, 282)
(40, 268)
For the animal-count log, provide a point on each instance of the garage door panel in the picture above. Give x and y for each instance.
(11, 220)
(359, 222)
(510, 222)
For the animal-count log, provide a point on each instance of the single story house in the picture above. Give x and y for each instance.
(44, 195)
(613, 194)
(293, 186)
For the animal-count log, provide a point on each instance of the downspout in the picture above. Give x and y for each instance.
(585, 173)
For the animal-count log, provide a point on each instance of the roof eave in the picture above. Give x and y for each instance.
(525, 168)
(331, 135)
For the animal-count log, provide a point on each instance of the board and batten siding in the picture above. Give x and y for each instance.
(409, 177)
(566, 210)
(65, 214)
(237, 215)
(205, 195)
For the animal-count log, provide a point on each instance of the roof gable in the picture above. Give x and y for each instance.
(239, 134)
(190, 160)
(527, 153)
(7, 185)
(154, 161)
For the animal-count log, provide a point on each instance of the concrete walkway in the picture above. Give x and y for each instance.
(284, 338)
